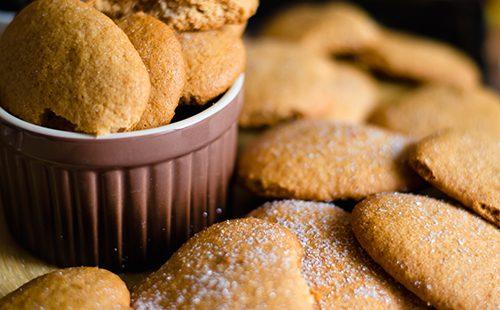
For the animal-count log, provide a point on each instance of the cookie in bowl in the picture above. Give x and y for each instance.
(79, 66)
(162, 54)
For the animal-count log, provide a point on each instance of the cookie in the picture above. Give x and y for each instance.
(337, 28)
(433, 108)
(421, 59)
(239, 264)
(444, 254)
(355, 95)
(284, 81)
(324, 161)
(465, 166)
(339, 273)
(66, 58)
(185, 15)
(214, 59)
(71, 288)
(162, 54)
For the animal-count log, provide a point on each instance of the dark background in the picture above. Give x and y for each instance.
(460, 22)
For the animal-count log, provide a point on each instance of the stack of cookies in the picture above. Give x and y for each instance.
(128, 73)
(378, 164)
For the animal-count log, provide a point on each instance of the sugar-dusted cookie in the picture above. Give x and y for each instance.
(354, 94)
(444, 254)
(325, 160)
(465, 166)
(185, 15)
(331, 28)
(412, 57)
(162, 54)
(71, 288)
(239, 264)
(214, 60)
(339, 272)
(433, 108)
(66, 58)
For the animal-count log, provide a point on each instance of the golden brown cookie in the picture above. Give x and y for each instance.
(162, 54)
(444, 254)
(238, 264)
(465, 166)
(339, 272)
(421, 59)
(71, 288)
(214, 59)
(354, 94)
(433, 108)
(65, 57)
(332, 28)
(284, 81)
(324, 161)
(185, 15)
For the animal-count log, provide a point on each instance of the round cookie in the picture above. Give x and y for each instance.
(214, 60)
(432, 108)
(337, 28)
(339, 272)
(162, 54)
(354, 93)
(239, 264)
(66, 58)
(324, 161)
(284, 81)
(465, 166)
(185, 15)
(419, 59)
(71, 288)
(390, 92)
(444, 254)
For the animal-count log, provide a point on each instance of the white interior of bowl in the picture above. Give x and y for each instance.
(216, 107)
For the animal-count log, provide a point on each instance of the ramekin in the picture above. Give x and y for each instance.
(120, 201)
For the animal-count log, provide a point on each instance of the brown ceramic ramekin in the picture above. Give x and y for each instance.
(122, 201)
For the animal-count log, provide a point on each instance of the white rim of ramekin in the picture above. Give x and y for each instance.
(6, 18)
(225, 100)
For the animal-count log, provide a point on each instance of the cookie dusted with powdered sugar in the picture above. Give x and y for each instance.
(466, 166)
(338, 271)
(444, 254)
(325, 160)
(238, 264)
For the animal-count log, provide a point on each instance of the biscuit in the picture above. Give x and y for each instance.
(433, 108)
(214, 59)
(185, 15)
(71, 288)
(421, 59)
(325, 161)
(238, 264)
(337, 28)
(339, 272)
(66, 58)
(285, 81)
(162, 54)
(444, 254)
(465, 166)
(355, 95)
